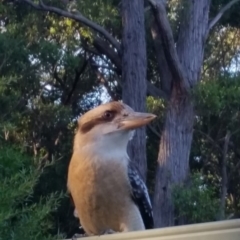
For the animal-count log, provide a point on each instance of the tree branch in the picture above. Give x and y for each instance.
(165, 74)
(103, 48)
(76, 80)
(101, 78)
(77, 17)
(220, 14)
(58, 79)
(237, 155)
(213, 142)
(154, 131)
(156, 92)
(167, 39)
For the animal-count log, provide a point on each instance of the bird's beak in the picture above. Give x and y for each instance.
(135, 120)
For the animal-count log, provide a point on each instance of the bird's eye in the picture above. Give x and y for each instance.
(108, 115)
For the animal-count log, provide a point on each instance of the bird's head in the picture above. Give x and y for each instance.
(111, 124)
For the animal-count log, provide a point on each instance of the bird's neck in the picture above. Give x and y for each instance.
(102, 150)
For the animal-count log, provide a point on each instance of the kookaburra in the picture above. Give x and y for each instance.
(107, 190)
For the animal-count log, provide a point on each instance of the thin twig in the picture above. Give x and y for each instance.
(79, 18)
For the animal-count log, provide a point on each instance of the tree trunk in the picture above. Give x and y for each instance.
(224, 180)
(173, 157)
(184, 63)
(134, 72)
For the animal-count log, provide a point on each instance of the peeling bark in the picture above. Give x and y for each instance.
(173, 158)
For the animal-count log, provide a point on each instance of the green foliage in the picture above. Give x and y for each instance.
(195, 202)
(104, 12)
(219, 100)
(45, 84)
(217, 108)
(20, 217)
(219, 95)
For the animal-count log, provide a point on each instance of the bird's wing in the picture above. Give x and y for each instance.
(140, 196)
